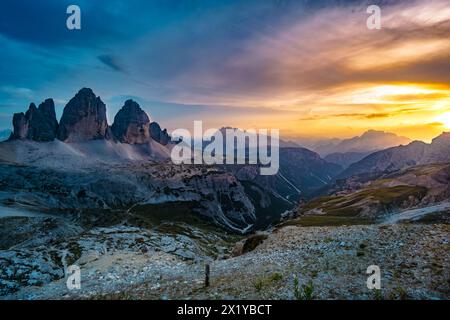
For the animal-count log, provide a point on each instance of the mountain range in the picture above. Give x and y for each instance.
(95, 165)
(396, 158)
(84, 119)
(80, 191)
(368, 142)
(89, 164)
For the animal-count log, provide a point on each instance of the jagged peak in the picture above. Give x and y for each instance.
(372, 133)
(131, 102)
(32, 106)
(133, 107)
(48, 105)
(131, 124)
(444, 136)
(37, 124)
(89, 123)
(86, 91)
(160, 136)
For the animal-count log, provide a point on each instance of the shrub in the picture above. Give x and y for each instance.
(306, 292)
(276, 277)
(377, 295)
(258, 285)
(252, 242)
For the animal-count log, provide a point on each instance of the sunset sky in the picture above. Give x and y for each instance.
(309, 68)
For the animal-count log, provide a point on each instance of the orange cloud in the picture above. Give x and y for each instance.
(336, 76)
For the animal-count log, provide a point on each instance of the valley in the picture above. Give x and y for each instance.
(157, 249)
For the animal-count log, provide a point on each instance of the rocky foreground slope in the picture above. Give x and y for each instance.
(329, 263)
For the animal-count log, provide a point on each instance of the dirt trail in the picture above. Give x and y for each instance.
(415, 214)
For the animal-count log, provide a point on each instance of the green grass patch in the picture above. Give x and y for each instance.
(351, 205)
(276, 277)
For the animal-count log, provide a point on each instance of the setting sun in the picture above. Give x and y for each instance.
(444, 119)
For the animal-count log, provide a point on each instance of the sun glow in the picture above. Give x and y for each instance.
(444, 119)
(385, 93)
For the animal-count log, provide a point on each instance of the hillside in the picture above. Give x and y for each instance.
(345, 159)
(358, 200)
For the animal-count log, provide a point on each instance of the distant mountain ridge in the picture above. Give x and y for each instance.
(281, 143)
(395, 158)
(5, 134)
(369, 141)
(345, 159)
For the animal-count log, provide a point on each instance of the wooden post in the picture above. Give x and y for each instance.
(207, 271)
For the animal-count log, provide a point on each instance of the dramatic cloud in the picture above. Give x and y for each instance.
(307, 67)
(110, 62)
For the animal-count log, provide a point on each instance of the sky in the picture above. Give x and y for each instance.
(309, 68)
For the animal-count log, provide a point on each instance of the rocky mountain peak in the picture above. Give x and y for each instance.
(84, 118)
(375, 133)
(160, 136)
(32, 107)
(48, 108)
(38, 124)
(443, 138)
(131, 124)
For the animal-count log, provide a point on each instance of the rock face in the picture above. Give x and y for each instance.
(38, 124)
(20, 124)
(84, 118)
(215, 195)
(131, 124)
(160, 136)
